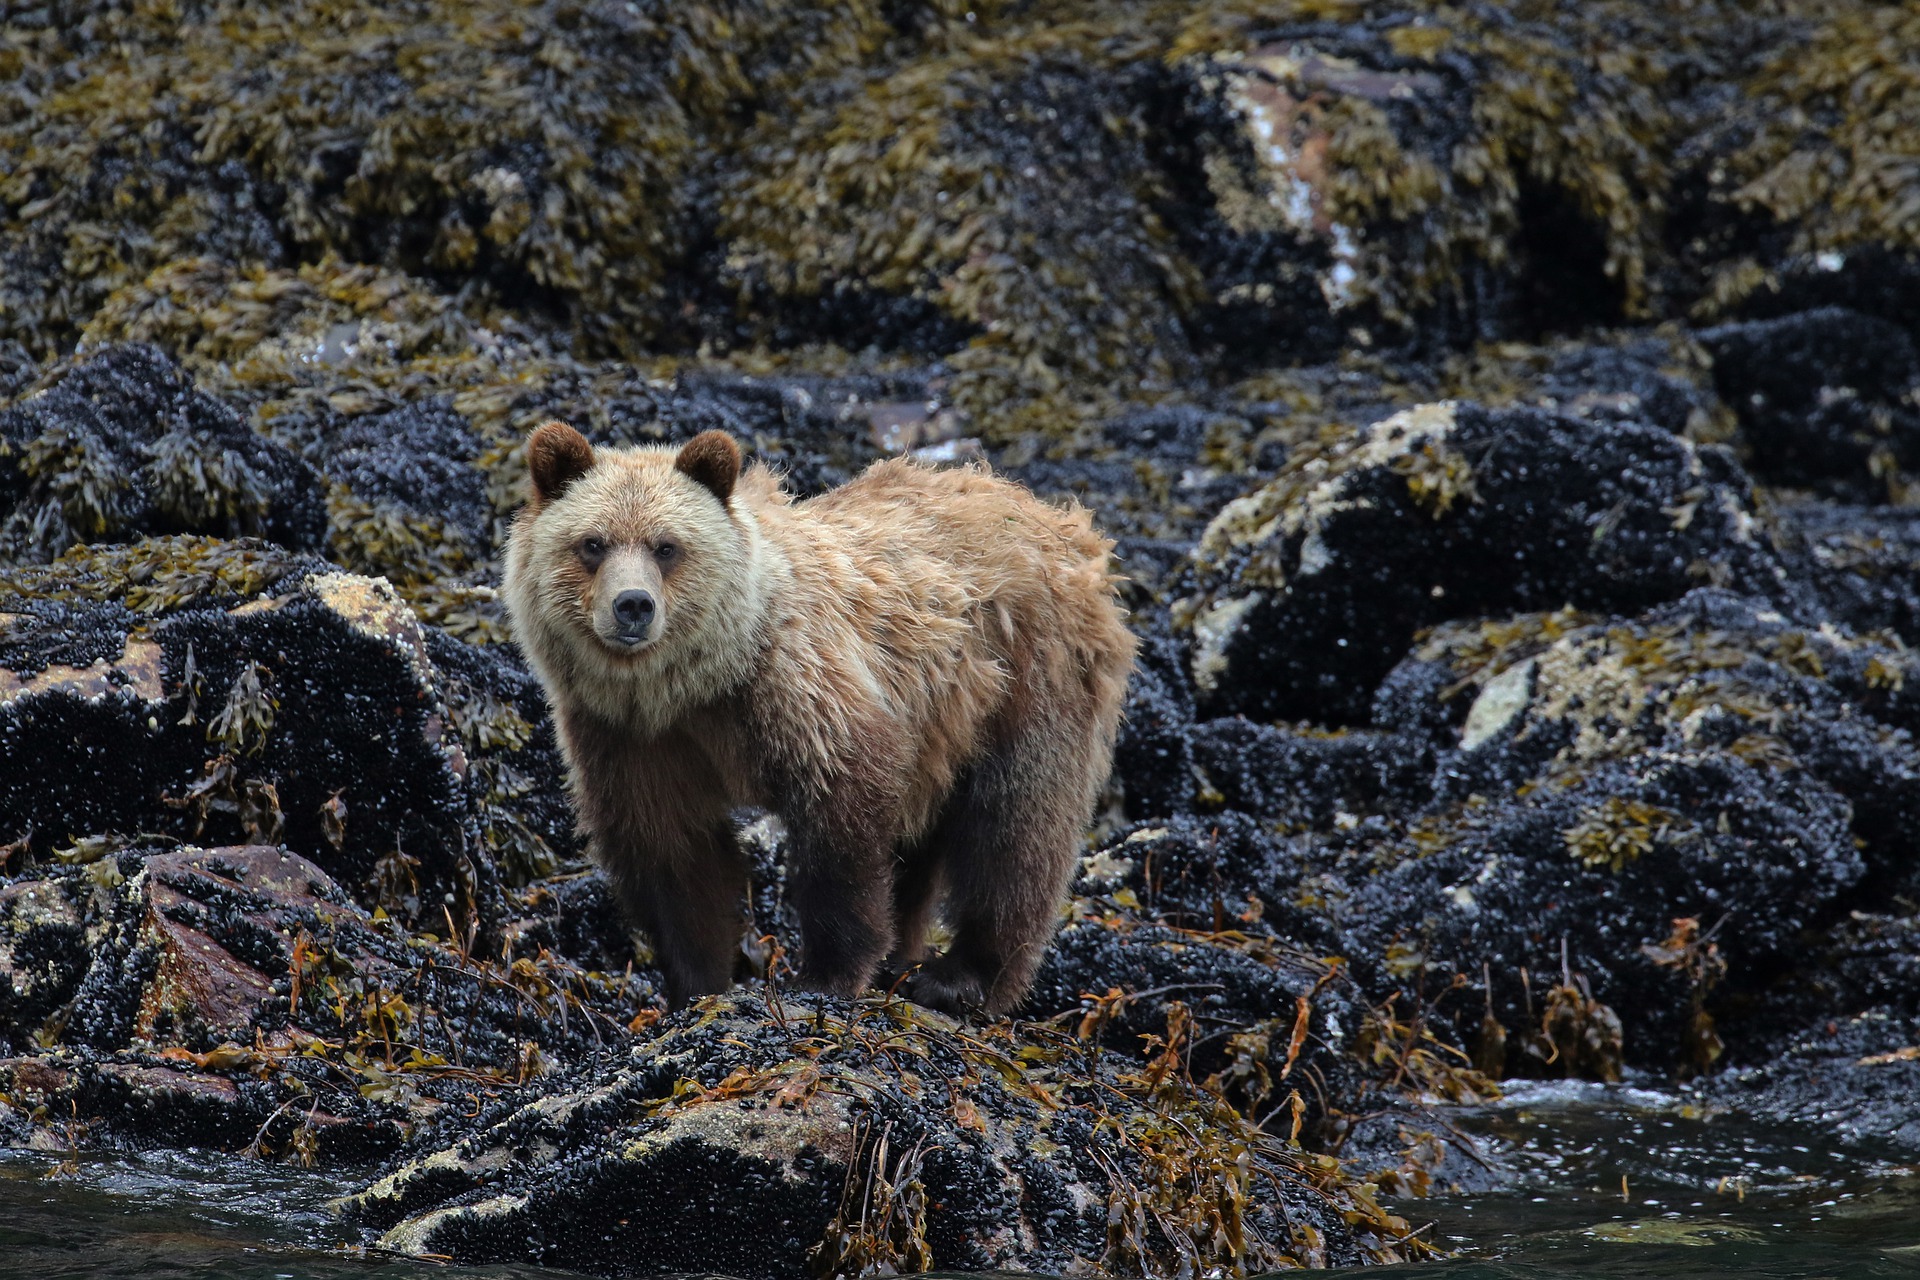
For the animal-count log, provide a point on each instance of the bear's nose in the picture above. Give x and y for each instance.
(633, 611)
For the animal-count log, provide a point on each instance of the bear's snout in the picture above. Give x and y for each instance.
(633, 616)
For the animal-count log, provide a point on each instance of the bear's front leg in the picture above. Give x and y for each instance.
(698, 922)
(685, 893)
(841, 885)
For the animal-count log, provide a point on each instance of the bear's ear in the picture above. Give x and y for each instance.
(557, 455)
(713, 459)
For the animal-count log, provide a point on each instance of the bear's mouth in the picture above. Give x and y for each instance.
(626, 643)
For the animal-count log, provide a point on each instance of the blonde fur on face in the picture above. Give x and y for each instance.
(710, 605)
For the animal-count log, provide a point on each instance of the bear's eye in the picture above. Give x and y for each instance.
(593, 551)
(666, 552)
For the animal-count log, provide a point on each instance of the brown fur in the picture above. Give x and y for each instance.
(557, 455)
(713, 459)
(921, 672)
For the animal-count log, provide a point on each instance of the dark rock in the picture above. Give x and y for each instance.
(1867, 960)
(761, 1136)
(44, 951)
(574, 915)
(1712, 761)
(1823, 397)
(1862, 562)
(314, 716)
(122, 444)
(417, 458)
(141, 1101)
(190, 995)
(1306, 592)
(1153, 756)
(1852, 1079)
(1632, 381)
(515, 770)
(1302, 778)
(1199, 913)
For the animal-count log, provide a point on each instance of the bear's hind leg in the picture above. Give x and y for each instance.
(1007, 844)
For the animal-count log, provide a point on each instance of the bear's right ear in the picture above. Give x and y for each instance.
(557, 455)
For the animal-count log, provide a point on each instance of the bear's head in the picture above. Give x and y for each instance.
(631, 562)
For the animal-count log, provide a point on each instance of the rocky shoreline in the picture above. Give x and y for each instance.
(1509, 423)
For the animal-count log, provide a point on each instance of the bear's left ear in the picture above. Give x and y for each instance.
(713, 459)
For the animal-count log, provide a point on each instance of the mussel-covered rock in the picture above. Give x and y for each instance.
(243, 694)
(1825, 399)
(762, 1137)
(122, 443)
(1307, 591)
(220, 985)
(1662, 805)
(1850, 1079)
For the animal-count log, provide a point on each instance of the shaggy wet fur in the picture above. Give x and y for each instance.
(921, 672)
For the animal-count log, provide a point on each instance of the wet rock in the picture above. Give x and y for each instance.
(1863, 562)
(1867, 961)
(760, 1137)
(314, 716)
(1662, 379)
(1266, 129)
(1303, 778)
(1306, 592)
(44, 949)
(1630, 381)
(144, 1101)
(515, 771)
(1825, 399)
(573, 914)
(220, 985)
(406, 500)
(1711, 762)
(1853, 1078)
(1193, 918)
(122, 444)
(1153, 756)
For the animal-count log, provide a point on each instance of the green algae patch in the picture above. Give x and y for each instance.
(1007, 187)
(157, 576)
(547, 148)
(1620, 832)
(1074, 210)
(1834, 155)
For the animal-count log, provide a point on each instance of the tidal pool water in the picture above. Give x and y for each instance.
(1704, 1196)
(1617, 1183)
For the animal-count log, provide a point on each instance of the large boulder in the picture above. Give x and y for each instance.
(1661, 806)
(1305, 592)
(763, 1136)
(254, 695)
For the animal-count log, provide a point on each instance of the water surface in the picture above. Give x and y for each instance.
(1705, 1196)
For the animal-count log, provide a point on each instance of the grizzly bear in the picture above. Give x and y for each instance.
(920, 672)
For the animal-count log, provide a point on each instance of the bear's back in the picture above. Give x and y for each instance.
(942, 592)
(996, 531)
